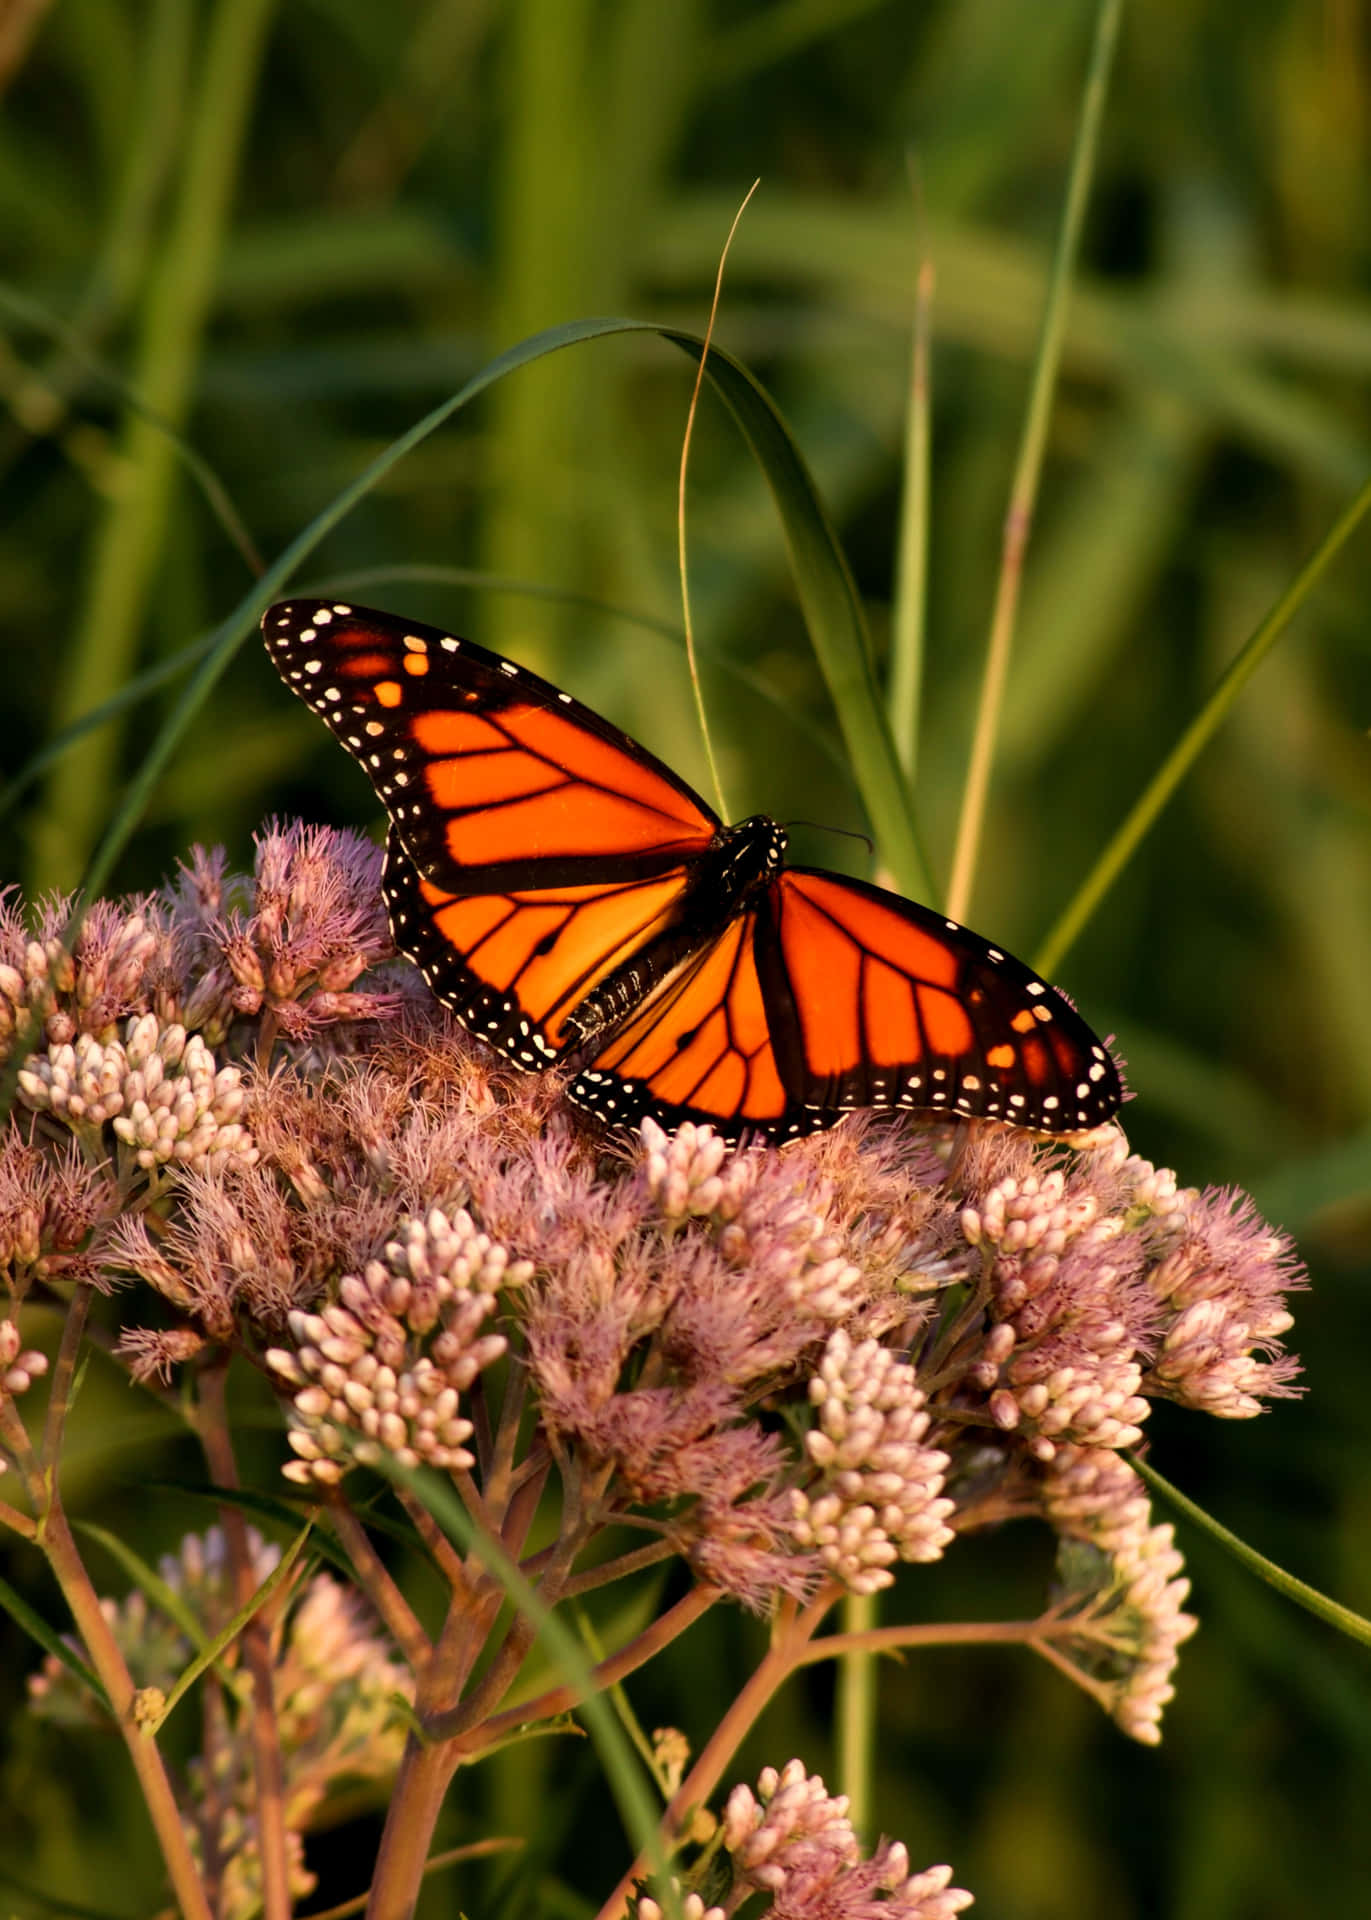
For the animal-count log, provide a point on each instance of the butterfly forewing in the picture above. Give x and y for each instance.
(491, 776)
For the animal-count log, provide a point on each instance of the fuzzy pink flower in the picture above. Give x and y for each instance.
(1223, 1285)
(794, 1840)
(1127, 1604)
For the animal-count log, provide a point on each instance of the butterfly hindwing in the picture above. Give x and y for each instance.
(703, 1046)
(898, 1006)
(492, 777)
(512, 965)
(830, 994)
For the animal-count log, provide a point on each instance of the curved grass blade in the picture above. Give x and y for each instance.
(827, 593)
(147, 1580)
(37, 1628)
(637, 1807)
(1159, 789)
(212, 1649)
(1023, 492)
(1354, 1625)
(186, 657)
(31, 313)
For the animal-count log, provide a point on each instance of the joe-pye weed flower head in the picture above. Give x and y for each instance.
(793, 1370)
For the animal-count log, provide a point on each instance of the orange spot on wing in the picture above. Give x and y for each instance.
(1037, 1063)
(417, 664)
(1024, 1021)
(371, 666)
(389, 693)
(1001, 1058)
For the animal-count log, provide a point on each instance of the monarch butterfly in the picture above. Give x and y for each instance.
(577, 904)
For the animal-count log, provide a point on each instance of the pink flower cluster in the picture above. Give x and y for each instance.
(793, 1368)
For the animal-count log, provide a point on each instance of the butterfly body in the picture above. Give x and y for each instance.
(578, 904)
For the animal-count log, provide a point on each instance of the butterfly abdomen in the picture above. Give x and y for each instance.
(735, 867)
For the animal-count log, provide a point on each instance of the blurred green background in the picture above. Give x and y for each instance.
(294, 229)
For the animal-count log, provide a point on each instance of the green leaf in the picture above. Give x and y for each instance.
(1354, 1625)
(51, 1642)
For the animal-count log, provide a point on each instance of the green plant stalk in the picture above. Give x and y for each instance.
(857, 1711)
(425, 1771)
(130, 538)
(911, 561)
(543, 245)
(1355, 1625)
(158, 118)
(269, 1802)
(1141, 817)
(1023, 492)
(687, 622)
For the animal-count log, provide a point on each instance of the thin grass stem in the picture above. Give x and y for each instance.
(1141, 817)
(911, 560)
(691, 411)
(1023, 492)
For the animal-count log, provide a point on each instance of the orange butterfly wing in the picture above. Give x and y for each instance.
(538, 854)
(513, 965)
(828, 994)
(703, 1046)
(491, 776)
(533, 846)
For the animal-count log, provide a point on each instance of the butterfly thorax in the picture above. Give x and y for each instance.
(738, 863)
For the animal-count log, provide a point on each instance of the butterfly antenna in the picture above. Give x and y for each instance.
(848, 833)
(681, 513)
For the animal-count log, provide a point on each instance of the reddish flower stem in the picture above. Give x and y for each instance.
(448, 1560)
(63, 1373)
(794, 1630)
(268, 1766)
(972, 1633)
(17, 1522)
(102, 1650)
(415, 1804)
(618, 1666)
(384, 1595)
(610, 1570)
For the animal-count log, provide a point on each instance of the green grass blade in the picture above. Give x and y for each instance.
(30, 313)
(832, 610)
(1354, 1625)
(908, 617)
(637, 1805)
(147, 1579)
(827, 593)
(1140, 819)
(37, 1628)
(130, 537)
(1023, 492)
(212, 1649)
